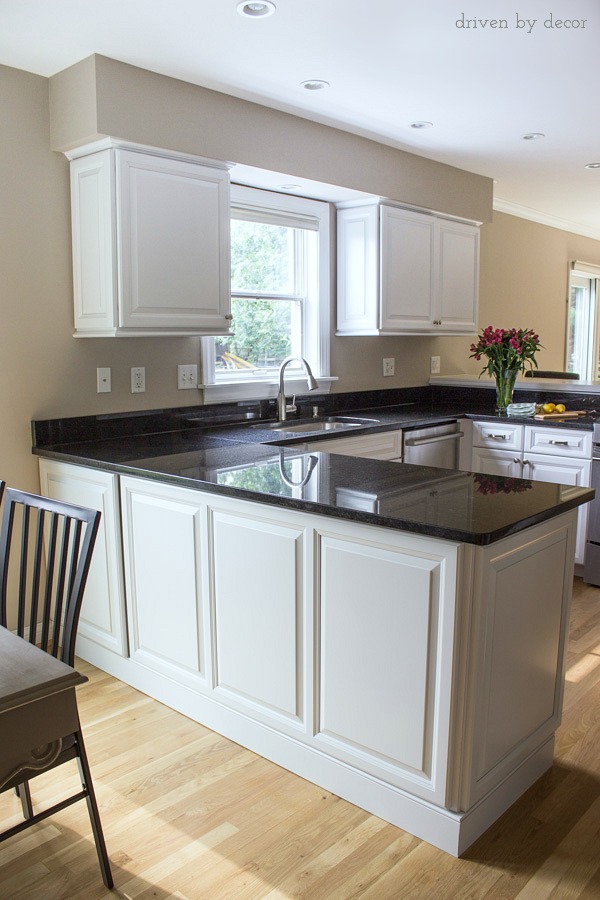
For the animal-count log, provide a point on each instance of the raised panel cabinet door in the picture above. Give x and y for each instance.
(497, 462)
(257, 611)
(102, 618)
(358, 270)
(518, 637)
(457, 276)
(406, 270)
(173, 238)
(385, 626)
(93, 235)
(162, 531)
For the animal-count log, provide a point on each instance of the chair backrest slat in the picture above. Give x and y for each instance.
(50, 566)
(38, 562)
(46, 584)
(23, 572)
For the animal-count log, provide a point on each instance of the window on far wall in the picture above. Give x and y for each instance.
(279, 294)
(583, 321)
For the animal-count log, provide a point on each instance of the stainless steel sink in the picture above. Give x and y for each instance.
(329, 423)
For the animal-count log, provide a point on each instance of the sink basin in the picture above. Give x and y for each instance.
(330, 423)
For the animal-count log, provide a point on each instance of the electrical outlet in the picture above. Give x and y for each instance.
(103, 381)
(138, 380)
(187, 377)
(389, 366)
(435, 365)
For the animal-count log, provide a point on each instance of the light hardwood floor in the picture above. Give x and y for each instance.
(188, 814)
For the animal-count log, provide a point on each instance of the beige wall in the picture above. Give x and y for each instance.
(523, 284)
(44, 371)
(133, 104)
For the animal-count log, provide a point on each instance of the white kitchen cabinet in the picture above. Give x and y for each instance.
(150, 243)
(382, 445)
(556, 455)
(379, 664)
(405, 272)
(163, 532)
(102, 621)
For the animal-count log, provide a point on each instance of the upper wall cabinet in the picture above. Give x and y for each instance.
(150, 243)
(405, 272)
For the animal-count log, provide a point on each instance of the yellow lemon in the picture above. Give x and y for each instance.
(560, 408)
(549, 407)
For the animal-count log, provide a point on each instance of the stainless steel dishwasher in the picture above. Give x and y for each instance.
(436, 445)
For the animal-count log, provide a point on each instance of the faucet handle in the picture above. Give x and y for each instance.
(291, 407)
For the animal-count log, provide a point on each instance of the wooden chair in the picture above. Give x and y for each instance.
(45, 553)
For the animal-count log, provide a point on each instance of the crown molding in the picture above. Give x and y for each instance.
(535, 215)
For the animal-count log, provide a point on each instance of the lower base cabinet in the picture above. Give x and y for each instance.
(381, 665)
(102, 620)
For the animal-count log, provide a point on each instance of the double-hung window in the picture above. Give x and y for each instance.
(583, 322)
(280, 296)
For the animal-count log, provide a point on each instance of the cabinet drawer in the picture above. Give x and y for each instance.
(498, 435)
(384, 445)
(559, 441)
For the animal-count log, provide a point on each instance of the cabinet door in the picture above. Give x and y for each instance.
(162, 532)
(102, 619)
(542, 467)
(257, 610)
(173, 240)
(457, 276)
(406, 270)
(92, 226)
(358, 270)
(385, 663)
(497, 462)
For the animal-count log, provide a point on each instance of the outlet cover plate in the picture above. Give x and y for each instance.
(435, 365)
(389, 366)
(138, 380)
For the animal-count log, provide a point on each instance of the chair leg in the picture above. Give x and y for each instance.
(86, 781)
(24, 795)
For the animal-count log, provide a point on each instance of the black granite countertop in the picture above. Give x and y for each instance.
(255, 463)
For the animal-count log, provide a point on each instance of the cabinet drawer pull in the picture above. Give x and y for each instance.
(559, 443)
(498, 437)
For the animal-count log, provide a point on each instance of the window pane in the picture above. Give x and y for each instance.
(266, 331)
(262, 257)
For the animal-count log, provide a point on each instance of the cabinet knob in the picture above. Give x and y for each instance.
(517, 460)
(229, 317)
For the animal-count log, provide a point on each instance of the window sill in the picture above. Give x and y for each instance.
(260, 390)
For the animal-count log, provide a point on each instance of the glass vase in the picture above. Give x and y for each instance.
(505, 385)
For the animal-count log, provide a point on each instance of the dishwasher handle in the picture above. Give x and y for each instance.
(419, 442)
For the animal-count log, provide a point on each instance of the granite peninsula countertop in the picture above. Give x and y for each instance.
(242, 459)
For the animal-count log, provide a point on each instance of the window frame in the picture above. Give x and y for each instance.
(588, 273)
(316, 318)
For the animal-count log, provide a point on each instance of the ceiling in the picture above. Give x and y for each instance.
(389, 63)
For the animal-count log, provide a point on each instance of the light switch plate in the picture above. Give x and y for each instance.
(187, 377)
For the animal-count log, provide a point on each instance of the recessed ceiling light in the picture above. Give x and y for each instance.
(315, 84)
(421, 124)
(288, 187)
(593, 166)
(255, 9)
(533, 136)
